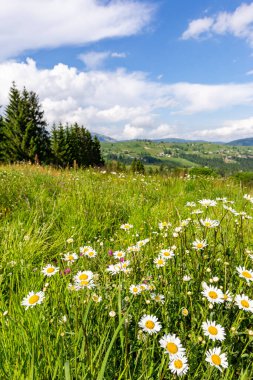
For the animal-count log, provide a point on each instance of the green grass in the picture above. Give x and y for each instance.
(40, 209)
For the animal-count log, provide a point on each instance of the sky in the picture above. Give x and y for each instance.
(130, 69)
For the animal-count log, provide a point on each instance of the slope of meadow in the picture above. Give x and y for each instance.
(162, 283)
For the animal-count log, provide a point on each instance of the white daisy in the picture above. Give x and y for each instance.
(85, 275)
(166, 253)
(159, 262)
(126, 226)
(119, 254)
(158, 297)
(150, 324)
(70, 257)
(209, 223)
(244, 303)
(172, 345)
(135, 289)
(208, 203)
(33, 299)
(247, 274)
(163, 225)
(212, 293)
(216, 358)
(213, 330)
(113, 269)
(199, 244)
(84, 284)
(49, 270)
(178, 365)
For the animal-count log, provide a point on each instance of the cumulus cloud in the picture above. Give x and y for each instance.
(238, 23)
(119, 103)
(36, 24)
(94, 60)
(230, 130)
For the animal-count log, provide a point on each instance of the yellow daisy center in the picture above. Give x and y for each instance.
(50, 270)
(135, 290)
(246, 274)
(212, 330)
(84, 282)
(172, 348)
(70, 257)
(200, 245)
(91, 253)
(33, 299)
(150, 325)
(83, 276)
(212, 294)
(245, 303)
(178, 363)
(166, 253)
(207, 224)
(216, 359)
(119, 254)
(160, 262)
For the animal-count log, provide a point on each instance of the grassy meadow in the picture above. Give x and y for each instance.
(120, 276)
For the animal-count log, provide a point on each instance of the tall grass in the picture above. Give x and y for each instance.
(70, 335)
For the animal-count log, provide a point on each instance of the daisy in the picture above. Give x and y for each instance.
(135, 289)
(70, 257)
(209, 223)
(187, 278)
(119, 254)
(113, 269)
(179, 365)
(33, 299)
(243, 302)
(208, 203)
(247, 274)
(49, 270)
(163, 225)
(190, 204)
(172, 345)
(199, 244)
(157, 297)
(160, 262)
(141, 243)
(150, 324)
(227, 296)
(213, 330)
(212, 293)
(96, 298)
(133, 248)
(84, 284)
(166, 254)
(216, 359)
(85, 275)
(126, 227)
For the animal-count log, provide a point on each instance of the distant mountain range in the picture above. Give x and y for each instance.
(241, 142)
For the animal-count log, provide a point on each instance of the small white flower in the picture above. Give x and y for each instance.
(216, 358)
(178, 365)
(213, 330)
(150, 324)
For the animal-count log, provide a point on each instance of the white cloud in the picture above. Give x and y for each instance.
(119, 103)
(238, 23)
(36, 24)
(197, 27)
(230, 130)
(95, 60)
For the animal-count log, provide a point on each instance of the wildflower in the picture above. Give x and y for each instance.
(119, 254)
(135, 289)
(84, 284)
(179, 365)
(126, 227)
(157, 297)
(33, 299)
(70, 240)
(166, 253)
(213, 330)
(83, 276)
(212, 293)
(150, 324)
(208, 203)
(66, 271)
(199, 244)
(209, 223)
(227, 296)
(70, 257)
(160, 262)
(63, 319)
(49, 270)
(96, 298)
(185, 312)
(216, 358)
(190, 204)
(88, 251)
(113, 269)
(163, 225)
(243, 302)
(172, 345)
(141, 243)
(247, 274)
(112, 314)
(187, 278)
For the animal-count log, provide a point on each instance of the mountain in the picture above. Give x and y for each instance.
(242, 142)
(103, 138)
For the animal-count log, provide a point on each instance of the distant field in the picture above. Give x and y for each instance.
(223, 158)
(118, 276)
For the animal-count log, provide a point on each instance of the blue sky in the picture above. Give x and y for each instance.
(134, 69)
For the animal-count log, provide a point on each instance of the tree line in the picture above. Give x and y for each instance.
(24, 136)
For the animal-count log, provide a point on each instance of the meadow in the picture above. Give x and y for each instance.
(114, 276)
